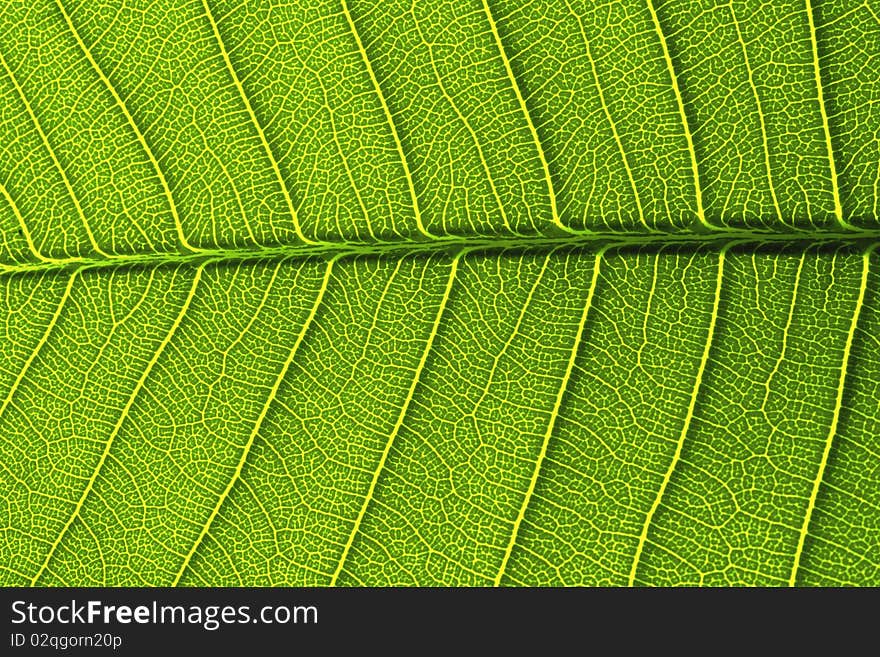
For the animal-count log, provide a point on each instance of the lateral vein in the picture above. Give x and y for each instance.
(467, 124)
(166, 190)
(611, 122)
(25, 231)
(43, 339)
(54, 158)
(835, 187)
(399, 423)
(670, 67)
(704, 359)
(259, 128)
(761, 121)
(528, 117)
(554, 416)
(123, 415)
(259, 421)
(835, 418)
(391, 123)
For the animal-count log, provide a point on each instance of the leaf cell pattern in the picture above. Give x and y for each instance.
(469, 292)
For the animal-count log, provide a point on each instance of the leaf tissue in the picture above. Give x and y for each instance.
(461, 292)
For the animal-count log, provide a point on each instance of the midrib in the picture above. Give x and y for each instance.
(712, 241)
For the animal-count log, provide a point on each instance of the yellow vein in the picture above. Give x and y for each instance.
(607, 112)
(525, 111)
(461, 117)
(754, 88)
(649, 312)
(100, 552)
(390, 118)
(344, 159)
(835, 418)
(140, 137)
(123, 415)
(524, 307)
(554, 416)
(670, 67)
(259, 128)
(835, 187)
(267, 288)
(785, 331)
(704, 359)
(54, 158)
(238, 200)
(24, 229)
(43, 339)
(399, 423)
(273, 393)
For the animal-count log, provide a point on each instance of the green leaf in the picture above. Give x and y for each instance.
(477, 292)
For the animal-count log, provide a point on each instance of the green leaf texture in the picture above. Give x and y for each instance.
(461, 292)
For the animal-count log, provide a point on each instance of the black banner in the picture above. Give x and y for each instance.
(414, 621)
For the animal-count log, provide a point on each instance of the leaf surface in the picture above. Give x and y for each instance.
(470, 292)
